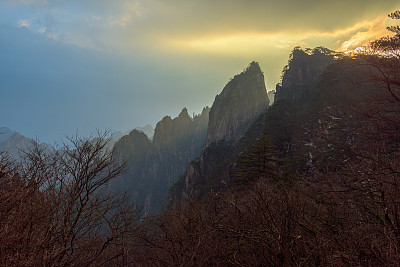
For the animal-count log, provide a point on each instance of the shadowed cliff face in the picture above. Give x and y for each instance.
(171, 133)
(300, 76)
(152, 167)
(132, 146)
(282, 123)
(242, 99)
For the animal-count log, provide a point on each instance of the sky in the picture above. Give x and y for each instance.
(82, 65)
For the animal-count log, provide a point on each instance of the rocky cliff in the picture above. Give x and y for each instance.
(300, 76)
(242, 99)
(116, 136)
(209, 172)
(152, 167)
(281, 124)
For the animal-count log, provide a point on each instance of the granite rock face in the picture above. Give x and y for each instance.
(152, 167)
(242, 99)
(300, 76)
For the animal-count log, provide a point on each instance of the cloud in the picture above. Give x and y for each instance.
(256, 42)
(234, 44)
(178, 17)
(374, 30)
(207, 26)
(237, 27)
(23, 23)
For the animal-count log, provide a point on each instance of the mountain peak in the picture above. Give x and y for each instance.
(254, 66)
(184, 113)
(300, 76)
(241, 100)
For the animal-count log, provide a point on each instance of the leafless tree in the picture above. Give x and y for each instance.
(56, 209)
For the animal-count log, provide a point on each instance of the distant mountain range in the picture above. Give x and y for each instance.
(13, 142)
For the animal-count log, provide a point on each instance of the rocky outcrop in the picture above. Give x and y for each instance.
(152, 167)
(133, 149)
(171, 133)
(300, 76)
(147, 130)
(233, 114)
(242, 99)
(116, 136)
(206, 173)
(132, 145)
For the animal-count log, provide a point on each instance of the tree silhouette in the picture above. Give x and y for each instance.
(261, 161)
(384, 56)
(55, 209)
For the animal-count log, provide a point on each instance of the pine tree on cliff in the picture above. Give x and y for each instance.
(261, 161)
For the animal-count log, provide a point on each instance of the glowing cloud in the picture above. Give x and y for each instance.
(355, 36)
(242, 43)
(372, 31)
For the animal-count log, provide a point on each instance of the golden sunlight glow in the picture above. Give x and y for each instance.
(354, 36)
(376, 29)
(243, 43)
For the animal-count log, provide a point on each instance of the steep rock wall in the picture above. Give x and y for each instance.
(242, 99)
(152, 167)
(300, 76)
